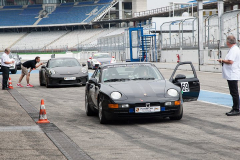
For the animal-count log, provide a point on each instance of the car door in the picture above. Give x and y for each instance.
(185, 76)
(94, 88)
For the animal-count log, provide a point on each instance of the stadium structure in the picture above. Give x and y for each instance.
(124, 28)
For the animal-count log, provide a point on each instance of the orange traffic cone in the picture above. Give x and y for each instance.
(43, 114)
(10, 86)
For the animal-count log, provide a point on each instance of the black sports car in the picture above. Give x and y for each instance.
(138, 90)
(63, 71)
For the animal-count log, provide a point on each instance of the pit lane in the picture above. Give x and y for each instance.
(205, 132)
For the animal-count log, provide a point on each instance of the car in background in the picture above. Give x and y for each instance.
(100, 59)
(17, 59)
(13, 68)
(138, 90)
(63, 71)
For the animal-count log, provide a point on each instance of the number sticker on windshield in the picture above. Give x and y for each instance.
(185, 87)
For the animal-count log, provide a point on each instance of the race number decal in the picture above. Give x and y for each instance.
(185, 87)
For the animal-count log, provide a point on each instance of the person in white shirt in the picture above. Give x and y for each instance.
(231, 72)
(5, 65)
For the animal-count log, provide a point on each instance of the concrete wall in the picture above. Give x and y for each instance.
(139, 5)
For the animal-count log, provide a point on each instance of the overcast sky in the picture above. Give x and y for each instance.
(153, 4)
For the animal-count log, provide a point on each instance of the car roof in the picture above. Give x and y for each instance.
(124, 63)
(100, 53)
(63, 58)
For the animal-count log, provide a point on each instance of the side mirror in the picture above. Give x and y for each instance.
(93, 80)
(83, 64)
(180, 76)
(43, 66)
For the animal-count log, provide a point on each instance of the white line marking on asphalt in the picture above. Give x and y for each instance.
(20, 128)
(215, 104)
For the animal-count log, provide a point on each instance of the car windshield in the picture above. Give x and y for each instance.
(12, 55)
(131, 72)
(96, 56)
(63, 63)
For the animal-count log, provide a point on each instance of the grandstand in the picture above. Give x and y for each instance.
(65, 13)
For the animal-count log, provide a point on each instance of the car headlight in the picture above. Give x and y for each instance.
(51, 71)
(84, 70)
(172, 92)
(116, 95)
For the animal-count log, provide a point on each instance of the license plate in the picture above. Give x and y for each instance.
(147, 109)
(69, 78)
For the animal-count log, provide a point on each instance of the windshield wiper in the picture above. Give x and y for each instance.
(115, 80)
(149, 78)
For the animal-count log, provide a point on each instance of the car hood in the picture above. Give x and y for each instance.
(141, 91)
(67, 70)
(104, 60)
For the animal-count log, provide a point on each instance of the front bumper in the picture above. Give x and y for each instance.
(60, 81)
(129, 113)
(12, 68)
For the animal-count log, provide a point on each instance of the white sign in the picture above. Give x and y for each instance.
(185, 87)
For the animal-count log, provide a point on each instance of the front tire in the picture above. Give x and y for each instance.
(179, 117)
(89, 111)
(47, 85)
(14, 71)
(101, 115)
(40, 81)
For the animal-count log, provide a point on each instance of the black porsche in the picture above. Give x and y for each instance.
(138, 90)
(63, 71)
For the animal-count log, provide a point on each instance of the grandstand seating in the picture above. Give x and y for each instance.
(100, 8)
(37, 40)
(104, 1)
(19, 17)
(73, 38)
(67, 13)
(7, 39)
(86, 3)
(12, 7)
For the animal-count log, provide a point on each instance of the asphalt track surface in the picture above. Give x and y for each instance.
(204, 132)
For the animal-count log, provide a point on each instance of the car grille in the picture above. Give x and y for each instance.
(144, 104)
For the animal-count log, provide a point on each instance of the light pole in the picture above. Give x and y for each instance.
(200, 31)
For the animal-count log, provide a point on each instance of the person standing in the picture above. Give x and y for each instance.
(25, 66)
(6, 64)
(231, 72)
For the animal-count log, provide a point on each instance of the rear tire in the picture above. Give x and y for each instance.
(89, 111)
(101, 115)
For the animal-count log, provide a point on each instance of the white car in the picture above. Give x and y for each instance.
(13, 68)
(100, 59)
